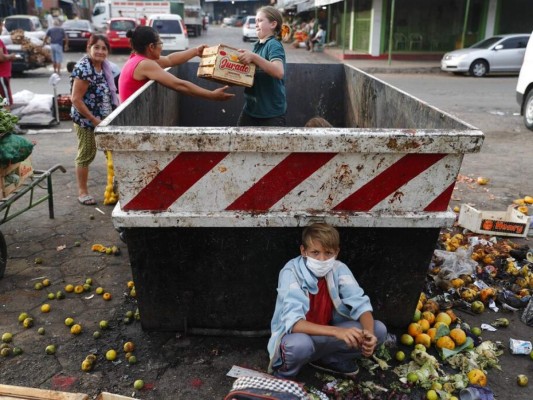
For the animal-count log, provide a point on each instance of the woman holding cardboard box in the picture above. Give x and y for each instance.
(265, 102)
(146, 63)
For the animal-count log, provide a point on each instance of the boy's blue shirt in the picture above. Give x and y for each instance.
(292, 303)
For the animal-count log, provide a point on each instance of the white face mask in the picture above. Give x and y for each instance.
(320, 268)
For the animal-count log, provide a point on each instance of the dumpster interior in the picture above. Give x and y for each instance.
(312, 90)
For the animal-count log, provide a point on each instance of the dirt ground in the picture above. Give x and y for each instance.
(173, 366)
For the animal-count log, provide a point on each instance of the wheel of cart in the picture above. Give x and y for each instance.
(39, 180)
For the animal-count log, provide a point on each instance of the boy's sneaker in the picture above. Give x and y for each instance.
(347, 368)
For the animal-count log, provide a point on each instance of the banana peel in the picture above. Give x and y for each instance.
(115, 250)
(110, 196)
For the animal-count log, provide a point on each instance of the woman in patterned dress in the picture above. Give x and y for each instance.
(94, 97)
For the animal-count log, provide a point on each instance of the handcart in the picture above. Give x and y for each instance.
(39, 179)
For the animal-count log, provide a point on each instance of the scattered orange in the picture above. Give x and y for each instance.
(414, 329)
(445, 342)
(423, 339)
(482, 180)
(432, 333)
(69, 288)
(424, 323)
(443, 317)
(477, 377)
(75, 329)
(78, 289)
(431, 305)
(107, 296)
(429, 316)
(458, 336)
(452, 315)
(457, 283)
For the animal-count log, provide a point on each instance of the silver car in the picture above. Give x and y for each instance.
(248, 29)
(501, 53)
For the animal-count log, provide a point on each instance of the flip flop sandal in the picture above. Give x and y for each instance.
(87, 200)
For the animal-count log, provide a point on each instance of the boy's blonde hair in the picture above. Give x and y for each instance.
(273, 15)
(322, 233)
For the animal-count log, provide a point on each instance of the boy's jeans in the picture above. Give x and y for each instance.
(298, 349)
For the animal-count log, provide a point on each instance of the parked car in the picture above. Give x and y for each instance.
(116, 32)
(248, 29)
(239, 21)
(524, 87)
(78, 31)
(36, 55)
(501, 53)
(230, 21)
(172, 32)
(28, 23)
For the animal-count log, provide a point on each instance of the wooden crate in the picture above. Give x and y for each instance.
(221, 64)
(8, 392)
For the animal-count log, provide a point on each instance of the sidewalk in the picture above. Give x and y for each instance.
(371, 66)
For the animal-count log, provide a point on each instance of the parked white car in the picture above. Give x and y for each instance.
(524, 88)
(172, 32)
(248, 29)
(501, 53)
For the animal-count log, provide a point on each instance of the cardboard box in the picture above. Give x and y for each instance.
(221, 64)
(8, 392)
(8, 176)
(497, 223)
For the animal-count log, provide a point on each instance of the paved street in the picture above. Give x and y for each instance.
(177, 366)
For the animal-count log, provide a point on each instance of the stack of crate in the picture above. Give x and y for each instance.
(64, 103)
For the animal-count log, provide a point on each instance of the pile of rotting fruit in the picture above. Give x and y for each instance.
(440, 354)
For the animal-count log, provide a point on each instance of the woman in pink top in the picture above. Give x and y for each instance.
(146, 63)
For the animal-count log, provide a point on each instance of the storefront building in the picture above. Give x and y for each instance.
(376, 27)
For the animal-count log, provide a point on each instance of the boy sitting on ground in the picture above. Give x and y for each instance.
(322, 316)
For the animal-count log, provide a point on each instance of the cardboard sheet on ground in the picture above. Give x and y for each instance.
(237, 372)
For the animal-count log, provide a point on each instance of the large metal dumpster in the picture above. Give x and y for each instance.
(212, 211)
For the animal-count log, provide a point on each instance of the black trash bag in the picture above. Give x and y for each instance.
(511, 299)
(527, 315)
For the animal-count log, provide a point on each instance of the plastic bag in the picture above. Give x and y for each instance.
(455, 263)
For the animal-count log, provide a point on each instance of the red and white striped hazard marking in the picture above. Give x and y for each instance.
(218, 182)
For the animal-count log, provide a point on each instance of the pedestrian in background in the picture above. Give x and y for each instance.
(265, 103)
(58, 41)
(5, 71)
(94, 96)
(146, 63)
